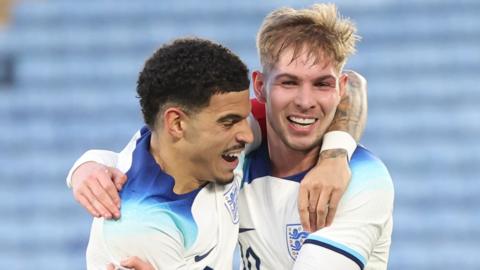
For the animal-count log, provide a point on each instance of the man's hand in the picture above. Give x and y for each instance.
(96, 187)
(322, 188)
(133, 263)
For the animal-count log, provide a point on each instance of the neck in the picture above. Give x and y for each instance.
(286, 161)
(167, 157)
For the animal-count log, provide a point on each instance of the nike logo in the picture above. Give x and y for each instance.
(201, 257)
(241, 230)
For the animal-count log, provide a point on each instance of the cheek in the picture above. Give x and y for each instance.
(329, 102)
(219, 141)
(208, 142)
(278, 100)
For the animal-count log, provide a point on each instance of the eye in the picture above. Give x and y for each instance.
(289, 82)
(228, 124)
(229, 121)
(325, 84)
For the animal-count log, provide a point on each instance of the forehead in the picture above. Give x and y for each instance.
(229, 103)
(305, 63)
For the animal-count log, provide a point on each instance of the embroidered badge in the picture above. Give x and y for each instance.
(295, 238)
(231, 197)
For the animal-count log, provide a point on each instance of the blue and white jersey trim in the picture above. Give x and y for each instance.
(257, 165)
(337, 247)
(148, 197)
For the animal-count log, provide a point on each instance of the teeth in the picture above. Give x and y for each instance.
(301, 121)
(233, 155)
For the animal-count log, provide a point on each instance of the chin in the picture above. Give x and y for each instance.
(224, 181)
(302, 144)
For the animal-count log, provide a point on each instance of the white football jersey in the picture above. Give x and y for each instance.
(197, 230)
(168, 230)
(271, 236)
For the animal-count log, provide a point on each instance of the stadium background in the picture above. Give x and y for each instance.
(67, 84)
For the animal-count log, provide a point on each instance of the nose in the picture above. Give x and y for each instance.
(245, 134)
(304, 99)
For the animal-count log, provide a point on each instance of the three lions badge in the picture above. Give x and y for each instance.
(295, 238)
(231, 197)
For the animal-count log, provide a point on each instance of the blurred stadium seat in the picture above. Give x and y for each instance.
(5, 6)
(71, 68)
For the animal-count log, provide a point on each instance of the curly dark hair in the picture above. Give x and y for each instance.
(186, 73)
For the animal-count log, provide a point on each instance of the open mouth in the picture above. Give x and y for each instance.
(231, 157)
(300, 121)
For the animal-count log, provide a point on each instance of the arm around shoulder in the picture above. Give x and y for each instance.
(361, 231)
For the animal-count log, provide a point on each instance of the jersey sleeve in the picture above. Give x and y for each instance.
(363, 221)
(323, 259)
(162, 249)
(105, 157)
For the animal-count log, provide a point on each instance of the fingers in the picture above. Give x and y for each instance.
(303, 208)
(90, 196)
(321, 190)
(137, 264)
(118, 177)
(317, 207)
(322, 207)
(105, 179)
(332, 206)
(98, 187)
(110, 267)
(95, 190)
(86, 203)
(314, 196)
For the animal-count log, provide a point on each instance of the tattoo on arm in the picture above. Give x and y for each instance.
(351, 114)
(333, 153)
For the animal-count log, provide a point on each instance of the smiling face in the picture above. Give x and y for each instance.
(216, 135)
(301, 98)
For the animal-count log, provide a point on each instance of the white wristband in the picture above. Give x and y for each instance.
(339, 140)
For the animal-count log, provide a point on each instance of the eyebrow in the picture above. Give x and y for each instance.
(293, 77)
(286, 75)
(230, 117)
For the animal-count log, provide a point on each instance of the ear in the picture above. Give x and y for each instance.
(174, 122)
(259, 86)
(342, 83)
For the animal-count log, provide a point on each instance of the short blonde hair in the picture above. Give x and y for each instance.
(320, 30)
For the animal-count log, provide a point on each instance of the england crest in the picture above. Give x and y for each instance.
(295, 238)
(231, 197)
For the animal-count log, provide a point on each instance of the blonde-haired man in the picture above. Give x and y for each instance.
(302, 53)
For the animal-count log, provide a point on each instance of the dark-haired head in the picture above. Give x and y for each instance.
(187, 73)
